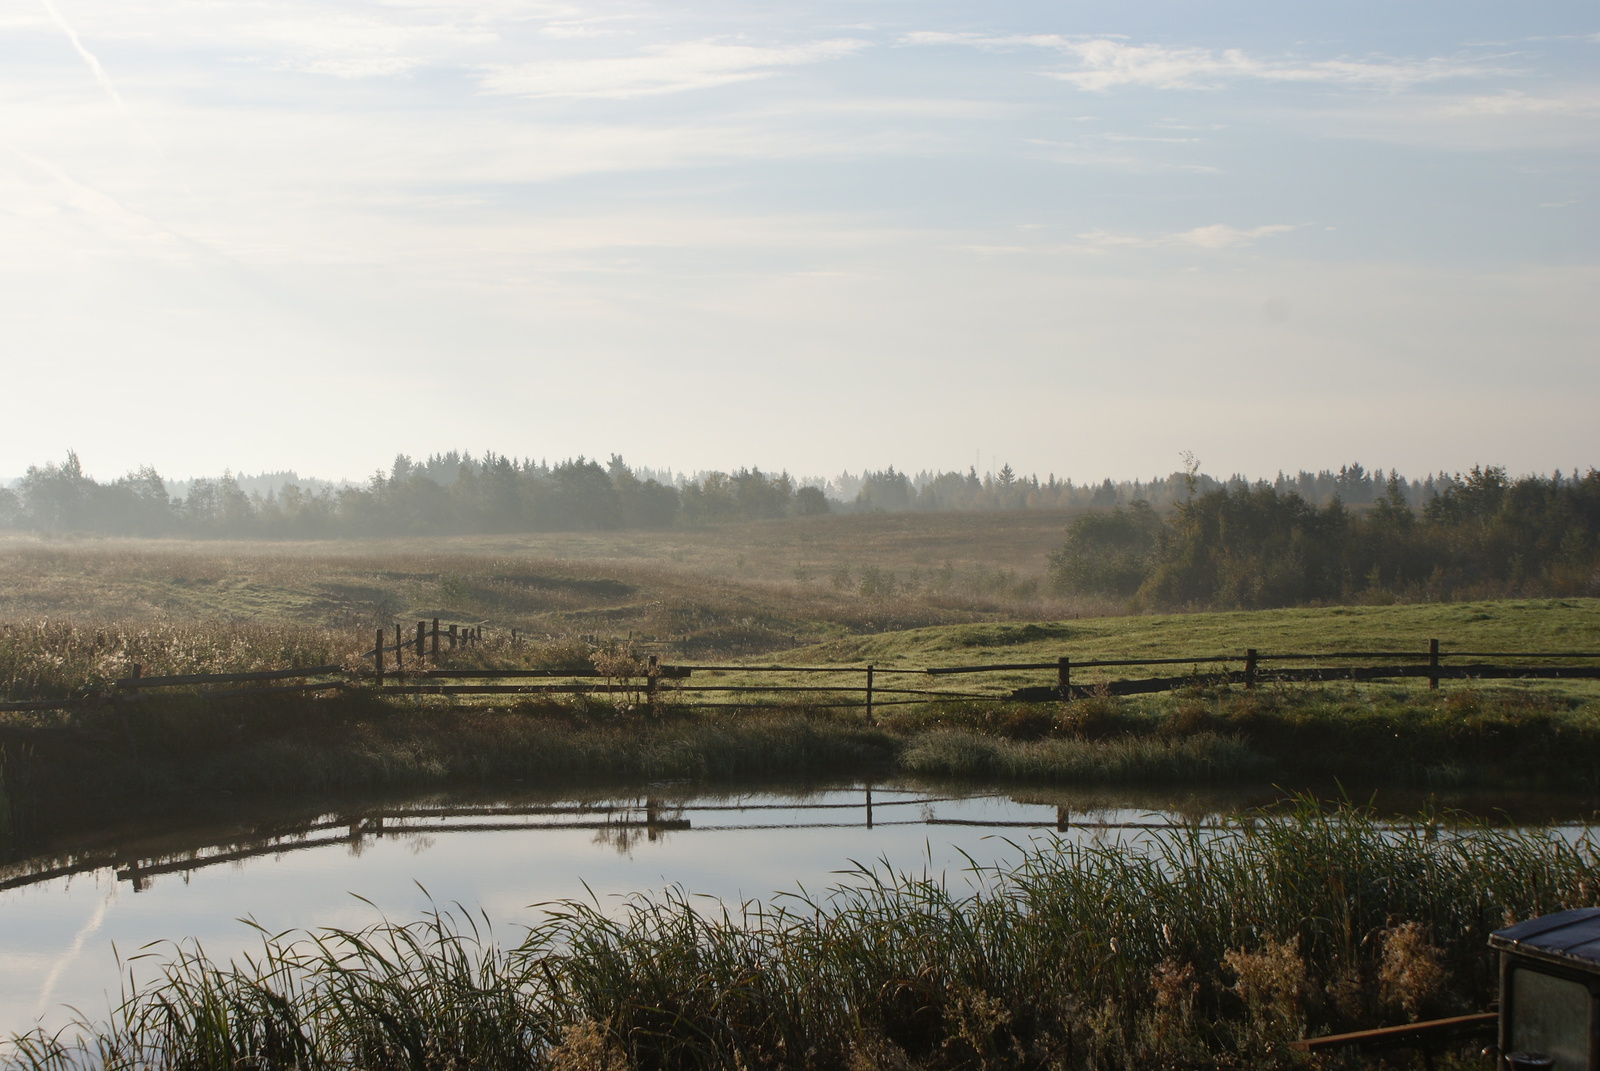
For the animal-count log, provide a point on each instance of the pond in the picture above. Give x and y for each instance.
(65, 918)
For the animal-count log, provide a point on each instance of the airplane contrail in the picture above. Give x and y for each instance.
(108, 85)
(65, 959)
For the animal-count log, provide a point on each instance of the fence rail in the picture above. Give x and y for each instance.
(415, 669)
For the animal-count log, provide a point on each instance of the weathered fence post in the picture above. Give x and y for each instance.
(399, 659)
(1250, 667)
(422, 632)
(1433, 665)
(453, 637)
(1064, 677)
(436, 638)
(377, 659)
(869, 693)
(652, 676)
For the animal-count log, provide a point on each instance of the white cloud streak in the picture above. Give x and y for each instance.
(1212, 236)
(1104, 63)
(671, 68)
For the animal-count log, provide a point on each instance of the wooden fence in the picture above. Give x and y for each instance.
(414, 663)
(654, 681)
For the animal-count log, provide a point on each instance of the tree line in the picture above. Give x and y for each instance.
(453, 494)
(895, 492)
(1481, 534)
(457, 493)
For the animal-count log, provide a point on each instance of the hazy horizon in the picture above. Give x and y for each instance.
(840, 486)
(813, 236)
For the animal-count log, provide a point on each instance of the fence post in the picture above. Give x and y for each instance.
(869, 693)
(652, 675)
(1250, 668)
(422, 632)
(377, 659)
(1433, 665)
(1064, 677)
(453, 637)
(436, 639)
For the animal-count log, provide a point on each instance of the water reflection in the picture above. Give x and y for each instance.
(621, 823)
(62, 909)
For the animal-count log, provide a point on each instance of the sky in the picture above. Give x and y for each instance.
(1080, 238)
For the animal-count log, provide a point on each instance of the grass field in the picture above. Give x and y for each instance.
(731, 588)
(1532, 625)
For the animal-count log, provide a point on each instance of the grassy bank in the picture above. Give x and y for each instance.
(182, 751)
(185, 753)
(1201, 950)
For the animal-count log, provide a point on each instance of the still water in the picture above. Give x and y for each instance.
(65, 918)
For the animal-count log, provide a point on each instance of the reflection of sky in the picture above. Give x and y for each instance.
(56, 938)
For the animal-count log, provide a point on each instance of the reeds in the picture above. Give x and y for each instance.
(1196, 948)
(56, 659)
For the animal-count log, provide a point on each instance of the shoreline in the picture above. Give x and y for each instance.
(192, 756)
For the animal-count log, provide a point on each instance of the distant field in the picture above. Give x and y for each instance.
(1521, 625)
(1491, 625)
(728, 589)
(909, 590)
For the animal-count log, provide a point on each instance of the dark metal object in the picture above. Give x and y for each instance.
(1550, 991)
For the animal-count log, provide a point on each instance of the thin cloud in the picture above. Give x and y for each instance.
(1104, 63)
(352, 48)
(1222, 236)
(667, 69)
(1566, 118)
(97, 211)
(1211, 236)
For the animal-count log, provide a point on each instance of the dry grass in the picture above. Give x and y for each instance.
(733, 589)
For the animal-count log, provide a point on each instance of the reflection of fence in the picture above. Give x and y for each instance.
(612, 821)
(411, 666)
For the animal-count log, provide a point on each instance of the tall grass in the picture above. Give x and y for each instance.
(1192, 949)
(1203, 757)
(54, 659)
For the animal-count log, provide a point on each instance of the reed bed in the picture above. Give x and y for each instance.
(1196, 948)
(56, 659)
(1200, 758)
